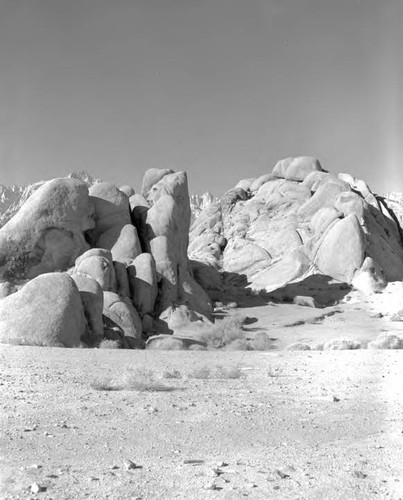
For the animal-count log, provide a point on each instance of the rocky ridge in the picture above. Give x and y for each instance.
(118, 260)
(294, 222)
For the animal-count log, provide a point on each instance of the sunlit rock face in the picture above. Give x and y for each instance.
(394, 201)
(299, 220)
(117, 257)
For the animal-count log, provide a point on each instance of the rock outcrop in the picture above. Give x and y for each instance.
(296, 221)
(47, 311)
(121, 262)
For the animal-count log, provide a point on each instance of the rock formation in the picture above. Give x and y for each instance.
(115, 260)
(296, 221)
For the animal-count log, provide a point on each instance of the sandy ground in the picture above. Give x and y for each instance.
(296, 425)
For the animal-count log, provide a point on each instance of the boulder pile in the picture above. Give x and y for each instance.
(297, 221)
(81, 264)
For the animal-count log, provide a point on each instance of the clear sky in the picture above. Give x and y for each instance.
(219, 88)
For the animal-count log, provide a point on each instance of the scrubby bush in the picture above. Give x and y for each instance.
(298, 346)
(110, 344)
(386, 341)
(217, 372)
(172, 374)
(141, 380)
(237, 345)
(224, 332)
(166, 344)
(261, 342)
(341, 345)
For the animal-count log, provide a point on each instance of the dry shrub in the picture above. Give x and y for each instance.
(261, 342)
(386, 341)
(298, 346)
(237, 345)
(141, 380)
(217, 372)
(166, 344)
(197, 347)
(341, 345)
(172, 374)
(110, 344)
(224, 332)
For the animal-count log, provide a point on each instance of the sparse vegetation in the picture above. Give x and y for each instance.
(386, 341)
(172, 374)
(341, 345)
(109, 344)
(298, 346)
(132, 380)
(224, 332)
(274, 372)
(166, 344)
(261, 342)
(218, 372)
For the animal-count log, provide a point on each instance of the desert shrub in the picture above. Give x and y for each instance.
(386, 341)
(217, 372)
(109, 344)
(261, 342)
(197, 347)
(172, 374)
(341, 345)
(223, 332)
(237, 345)
(298, 346)
(104, 384)
(141, 380)
(166, 344)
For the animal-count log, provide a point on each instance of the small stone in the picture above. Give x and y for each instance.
(35, 466)
(114, 467)
(222, 464)
(282, 474)
(193, 462)
(358, 474)
(335, 399)
(128, 464)
(251, 485)
(36, 488)
(210, 486)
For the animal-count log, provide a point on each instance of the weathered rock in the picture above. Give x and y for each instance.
(125, 316)
(122, 241)
(341, 252)
(112, 210)
(127, 190)
(97, 264)
(143, 283)
(296, 169)
(47, 233)
(47, 311)
(92, 299)
(168, 223)
(122, 279)
(152, 177)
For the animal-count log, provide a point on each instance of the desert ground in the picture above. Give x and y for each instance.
(150, 424)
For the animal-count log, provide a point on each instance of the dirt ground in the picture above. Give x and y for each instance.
(294, 425)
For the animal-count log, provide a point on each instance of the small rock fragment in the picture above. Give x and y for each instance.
(210, 486)
(193, 462)
(358, 474)
(36, 488)
(282, 474)
(128, 464)
(335, 399)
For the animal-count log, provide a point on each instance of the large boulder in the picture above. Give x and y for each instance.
(341, 252)
(47, 311)
(97, 264)
(168, 222)
(283, 226)
(143, 283)
(47, 233)
(121, 312)
(92, 299)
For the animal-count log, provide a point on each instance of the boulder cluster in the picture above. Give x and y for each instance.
(295, 222)
(79, 264)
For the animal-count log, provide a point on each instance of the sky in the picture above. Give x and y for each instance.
(220, 88)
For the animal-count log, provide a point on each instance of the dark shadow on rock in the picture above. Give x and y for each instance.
(314, 291)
